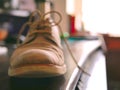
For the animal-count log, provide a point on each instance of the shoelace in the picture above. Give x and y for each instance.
(46, 24)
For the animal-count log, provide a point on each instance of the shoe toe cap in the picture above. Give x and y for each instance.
(36, 56)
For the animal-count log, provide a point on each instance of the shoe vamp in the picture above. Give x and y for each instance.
(37, 55)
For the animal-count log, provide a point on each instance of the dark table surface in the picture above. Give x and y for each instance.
(68, 81)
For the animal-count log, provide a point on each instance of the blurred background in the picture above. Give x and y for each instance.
(80, 17)
(14, 13)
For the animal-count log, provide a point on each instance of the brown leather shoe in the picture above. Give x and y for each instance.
(40, 55)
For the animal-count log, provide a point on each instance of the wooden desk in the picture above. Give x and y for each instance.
(111, 47)
(80, 49)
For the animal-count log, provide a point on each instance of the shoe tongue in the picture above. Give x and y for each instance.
(41, 37)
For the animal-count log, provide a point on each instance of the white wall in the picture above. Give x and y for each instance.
(102, 16)
(60, 6)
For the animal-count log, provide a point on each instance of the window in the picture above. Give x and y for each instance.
(101, 16)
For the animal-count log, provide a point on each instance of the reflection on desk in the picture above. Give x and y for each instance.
(96, 66)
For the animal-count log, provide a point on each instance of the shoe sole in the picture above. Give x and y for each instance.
(37, 70)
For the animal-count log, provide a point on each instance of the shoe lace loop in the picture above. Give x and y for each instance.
(43, 22)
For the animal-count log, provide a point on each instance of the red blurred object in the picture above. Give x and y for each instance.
(72, 24)
(112, 43)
